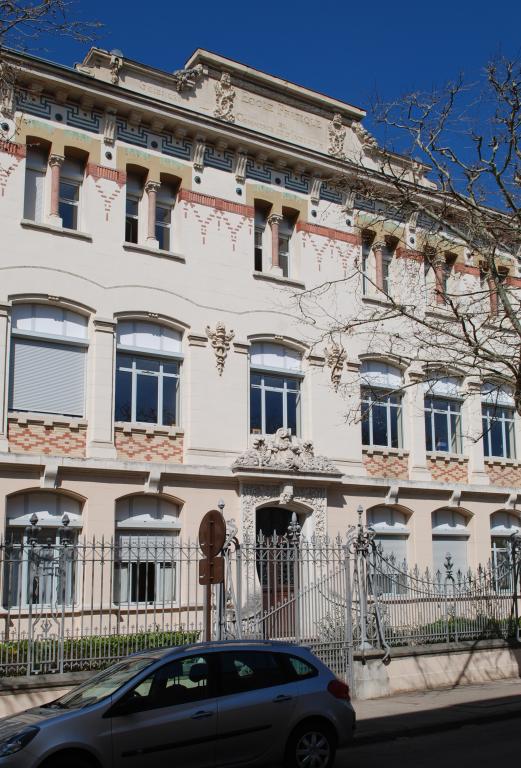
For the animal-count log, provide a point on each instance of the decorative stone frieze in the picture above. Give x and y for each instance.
(337, 135)
(335, 358)
(220, 340)
(283, 453)
(224, 98)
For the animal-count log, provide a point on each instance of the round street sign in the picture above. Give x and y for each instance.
(212, 533)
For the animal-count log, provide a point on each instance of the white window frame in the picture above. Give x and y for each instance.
(282, 372)
(165, 202)
(36, 169)
(74, 180)
(160, 375)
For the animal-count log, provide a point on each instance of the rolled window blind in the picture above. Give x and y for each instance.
(47, 378)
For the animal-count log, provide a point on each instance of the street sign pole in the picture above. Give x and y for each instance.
(212, 535)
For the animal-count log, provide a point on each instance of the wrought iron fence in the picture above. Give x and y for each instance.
(71, 604)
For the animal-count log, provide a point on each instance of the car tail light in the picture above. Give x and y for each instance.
(339, 690)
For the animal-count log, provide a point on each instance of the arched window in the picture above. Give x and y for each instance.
(498, 422)
(146, 534)
(39, 570)
(275, 380)
(390, 526)
(148, 368)
(48, 360)
(443, 415)
(381, 405)
(449, 537)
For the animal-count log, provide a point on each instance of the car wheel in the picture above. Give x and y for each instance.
(312, 745)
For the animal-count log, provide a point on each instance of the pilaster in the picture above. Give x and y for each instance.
(100, 439)
(473, 431)
(4, 374)
(414, 423)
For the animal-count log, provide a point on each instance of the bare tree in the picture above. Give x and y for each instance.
(25, 23)
(443, 234)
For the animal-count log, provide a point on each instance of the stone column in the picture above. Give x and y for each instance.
(492, 289)
(100, 411)
(274, 221)
(152, 188)
(55, 162)
(414, 423)
(4, 374)
(439, 266)
(378, 249)
(472, 422)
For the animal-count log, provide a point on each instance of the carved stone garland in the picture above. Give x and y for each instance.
(335, 358)
(220, 341)
(187, 79)
(224, 98)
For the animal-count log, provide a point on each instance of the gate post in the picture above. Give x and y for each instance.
(516, 575)
(349, 619)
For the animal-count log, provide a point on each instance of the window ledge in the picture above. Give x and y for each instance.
(149, 429)
(146, 249)
(48, 420)
(374, 301)
(277, 279)
(381, 450)
(499, 461)
(442, 456)
(51, 229)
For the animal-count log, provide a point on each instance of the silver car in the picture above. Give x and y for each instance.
(199, 706)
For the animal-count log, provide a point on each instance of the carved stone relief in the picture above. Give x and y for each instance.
(255, 496)
(198, 154)
(116, 63)
(224, 98)
(220, 341)
(187, 79)
(337, 134)
(109, 129)
(284, 453)
(335, 358)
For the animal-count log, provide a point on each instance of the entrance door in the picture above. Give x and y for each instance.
(277, 563)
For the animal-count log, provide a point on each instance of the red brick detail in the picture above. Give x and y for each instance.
(49, 439)
(406, 253)
(514, 282)
(331, 234)
(466, 270)
(386, 465)
(505, 475)
(141, 446)
(11, 148)
(216, 202)
(102, 172)
(448, 469)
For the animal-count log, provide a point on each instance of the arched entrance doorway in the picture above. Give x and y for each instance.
(277, 570)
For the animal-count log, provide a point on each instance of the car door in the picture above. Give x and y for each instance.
(169, 718)
(254, 704)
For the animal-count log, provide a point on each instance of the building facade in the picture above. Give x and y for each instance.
(154, 229)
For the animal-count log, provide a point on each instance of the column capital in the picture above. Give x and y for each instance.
(152, 186)
(379, 245)
(104, 325)
(56, 160)
(472, 385)
(274, 218)
(415, 373)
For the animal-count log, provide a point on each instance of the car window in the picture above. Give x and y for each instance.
(105, 683)
(182, 681)
(243, 671)
(301, 669)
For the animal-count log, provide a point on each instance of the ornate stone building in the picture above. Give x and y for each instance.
(152, 227)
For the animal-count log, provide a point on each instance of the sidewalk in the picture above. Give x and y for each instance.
(412, 714)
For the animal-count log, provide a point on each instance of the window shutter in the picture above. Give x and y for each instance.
(47, 378)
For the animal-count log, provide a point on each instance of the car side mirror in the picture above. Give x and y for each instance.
(126, 706)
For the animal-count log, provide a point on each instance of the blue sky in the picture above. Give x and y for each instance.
(350, 50)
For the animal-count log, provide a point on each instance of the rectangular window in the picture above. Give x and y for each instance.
(381, 419)
(145, 571)
(286, 229)
(147, 389)
(261, 219)
(498, 431)
(71, 178)
(366, 250)
(284, 241)
(456, 547)
(134, 193)
(501, 561)
(259, 234)
(163, 226)
(443, 425)
(274, 403)
(35, 171)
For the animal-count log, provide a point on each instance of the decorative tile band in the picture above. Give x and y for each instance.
(216, 202)
(11, 148)
(331, 234)
(102, 172)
